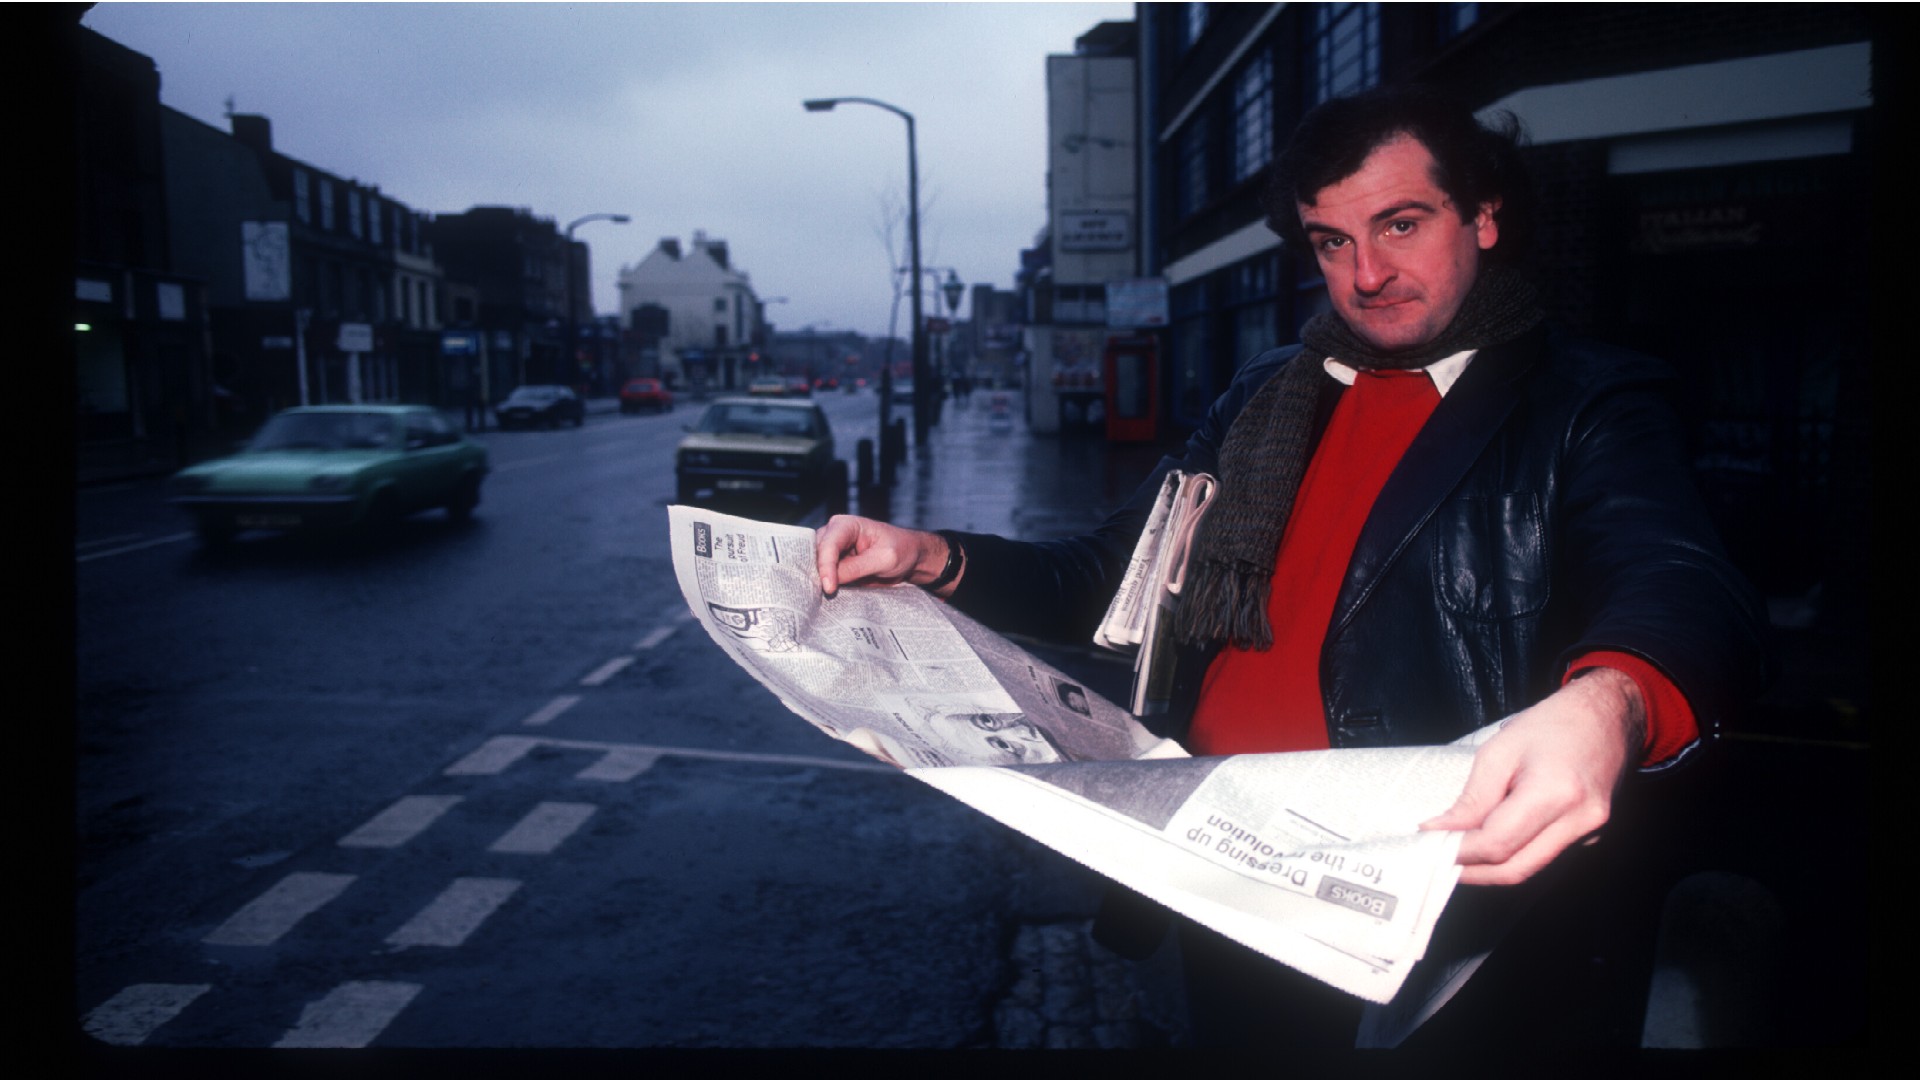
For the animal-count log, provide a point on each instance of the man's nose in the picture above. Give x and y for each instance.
(1372, 270)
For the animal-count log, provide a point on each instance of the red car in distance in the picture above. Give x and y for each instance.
(640, 394)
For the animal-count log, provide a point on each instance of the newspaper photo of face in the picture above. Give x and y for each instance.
(767, 629)
(965, 736)
(1073, 698)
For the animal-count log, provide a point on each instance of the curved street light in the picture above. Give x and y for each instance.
(953, 289)
(570, 353)
(920, 373)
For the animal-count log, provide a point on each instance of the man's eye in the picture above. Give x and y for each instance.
(1400, 228)
(1332, 243)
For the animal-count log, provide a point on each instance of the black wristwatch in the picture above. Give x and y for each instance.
(956, 557)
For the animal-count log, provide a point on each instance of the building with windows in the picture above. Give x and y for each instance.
(992, 346)
(1698, 164)
(145, 394)
(506, 292)
(1092, 221)
(320, 289)
(690, 316)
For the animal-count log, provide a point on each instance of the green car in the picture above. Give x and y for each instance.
(335, 466)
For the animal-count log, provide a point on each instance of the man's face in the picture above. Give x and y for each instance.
(1397, 258)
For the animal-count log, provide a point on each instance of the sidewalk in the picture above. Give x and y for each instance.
(981, 476)
(977, 475)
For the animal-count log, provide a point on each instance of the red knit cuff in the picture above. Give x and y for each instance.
(1671, 727)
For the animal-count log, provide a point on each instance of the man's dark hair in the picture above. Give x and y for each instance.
(1473, 163)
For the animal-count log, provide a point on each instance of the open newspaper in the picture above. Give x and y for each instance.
(1313, 859)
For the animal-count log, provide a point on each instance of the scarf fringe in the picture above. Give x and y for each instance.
(1226, 601)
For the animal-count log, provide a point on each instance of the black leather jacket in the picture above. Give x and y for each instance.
(1546, 510)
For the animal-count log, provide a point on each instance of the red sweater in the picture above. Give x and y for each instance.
(1260, 702)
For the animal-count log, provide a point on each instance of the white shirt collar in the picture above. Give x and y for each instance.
(1444, 372)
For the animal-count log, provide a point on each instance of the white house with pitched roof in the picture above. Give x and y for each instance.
(696, 308)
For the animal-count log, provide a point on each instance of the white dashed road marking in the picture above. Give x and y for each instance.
(544, 828)
(352, 1015)
(108, 541)
(401, 822)
(279, 909)
(552, 709)
(127, 1018)
(607, 670)
(658, 635)
(624, 761)
(141, 546)
(493, 756)
(456, 913)
(619, 765)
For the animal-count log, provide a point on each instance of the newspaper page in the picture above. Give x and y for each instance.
(1138, 620)
(1126, 616)
(1313, 859)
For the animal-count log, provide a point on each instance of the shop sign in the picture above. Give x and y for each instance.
(1094, 230)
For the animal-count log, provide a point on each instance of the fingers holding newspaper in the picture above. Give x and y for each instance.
(1546, 780)
(851, 550)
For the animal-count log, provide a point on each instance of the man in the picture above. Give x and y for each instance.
(1434, 514)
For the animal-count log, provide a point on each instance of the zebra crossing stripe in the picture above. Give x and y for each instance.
(456, 913)
(493, 756)
(352, 1015)
(279, 909)
(544, 828)
(619, 764)
(401, 822)
(133, 1014)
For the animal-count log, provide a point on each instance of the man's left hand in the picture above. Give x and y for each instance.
(1546, 780)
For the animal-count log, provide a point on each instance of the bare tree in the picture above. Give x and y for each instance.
(891, 229)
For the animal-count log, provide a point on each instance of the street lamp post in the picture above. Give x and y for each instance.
(569, 353)
(952, 289)
(920, 374)
(763, 331)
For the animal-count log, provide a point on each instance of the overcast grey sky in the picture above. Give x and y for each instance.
(685, 116)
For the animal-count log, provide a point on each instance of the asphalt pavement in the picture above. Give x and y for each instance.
(982, 469)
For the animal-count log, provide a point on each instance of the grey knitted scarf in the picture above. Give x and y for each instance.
(1230, 572)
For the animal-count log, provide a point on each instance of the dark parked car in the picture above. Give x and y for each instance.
(541, 406)
(335, 465)
(777, 449)
(640, 394)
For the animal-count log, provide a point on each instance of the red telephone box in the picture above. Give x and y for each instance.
(1131, 370)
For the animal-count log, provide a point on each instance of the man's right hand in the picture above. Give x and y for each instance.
(850, 550)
